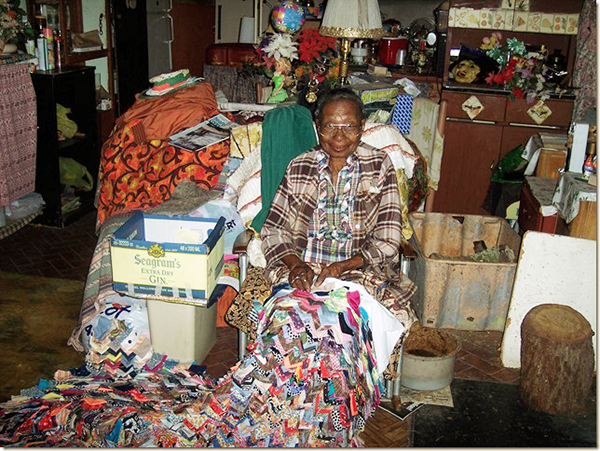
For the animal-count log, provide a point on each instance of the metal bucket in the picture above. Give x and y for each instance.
(420, 372)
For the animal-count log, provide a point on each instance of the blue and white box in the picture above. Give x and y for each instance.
(402, 114)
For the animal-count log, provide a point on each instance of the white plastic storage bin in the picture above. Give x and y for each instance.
(181, 331)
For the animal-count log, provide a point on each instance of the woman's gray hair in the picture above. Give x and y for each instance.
(339, 94)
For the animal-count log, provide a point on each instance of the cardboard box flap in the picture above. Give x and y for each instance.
(181, 233)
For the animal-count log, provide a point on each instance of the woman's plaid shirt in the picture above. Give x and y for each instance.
(376, 220)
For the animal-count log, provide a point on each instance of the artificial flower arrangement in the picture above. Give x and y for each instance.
(523, 73)
(302, 49)
(10, 21)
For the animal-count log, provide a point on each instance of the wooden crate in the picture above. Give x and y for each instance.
(384, 430)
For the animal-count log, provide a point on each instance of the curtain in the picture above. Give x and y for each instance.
(18, 133)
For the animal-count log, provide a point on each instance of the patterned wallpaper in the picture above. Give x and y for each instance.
(513, 20)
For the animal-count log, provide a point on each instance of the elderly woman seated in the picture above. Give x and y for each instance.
(337, 213)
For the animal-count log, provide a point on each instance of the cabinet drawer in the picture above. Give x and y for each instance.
(561, 112)
(493, 105)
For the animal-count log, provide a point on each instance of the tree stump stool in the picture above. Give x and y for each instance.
(557, 360)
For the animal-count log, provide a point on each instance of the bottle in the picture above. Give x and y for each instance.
(41, 50)
(40, 19)
(49, 35)
(58, 49)
(589, 166)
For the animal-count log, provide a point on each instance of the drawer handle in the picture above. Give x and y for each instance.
(549, 127)
(474, 121)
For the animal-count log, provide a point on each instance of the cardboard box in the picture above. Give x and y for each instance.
(375, 92)
(177, 259)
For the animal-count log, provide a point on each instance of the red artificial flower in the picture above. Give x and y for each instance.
(512, 63)
(499, 78)
(311, 44)
(12, 14)
(517, 92)
(508, 74)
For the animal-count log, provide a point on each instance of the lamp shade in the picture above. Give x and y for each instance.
(352, 19)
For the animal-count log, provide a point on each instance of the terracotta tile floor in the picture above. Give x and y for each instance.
(66, 253)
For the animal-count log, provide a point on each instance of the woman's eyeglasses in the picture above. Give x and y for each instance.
(349, 130)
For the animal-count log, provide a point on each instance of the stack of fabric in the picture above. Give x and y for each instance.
(310, 379)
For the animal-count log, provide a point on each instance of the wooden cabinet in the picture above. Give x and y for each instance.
(74, 88)
(70, 20)
(585, 225)
(537, 194)
(473, 147)
(530, 207)
(470, 152)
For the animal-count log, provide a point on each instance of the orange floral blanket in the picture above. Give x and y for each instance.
(139, 169)
(140, 176)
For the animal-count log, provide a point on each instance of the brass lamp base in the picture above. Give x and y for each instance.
(344, 52)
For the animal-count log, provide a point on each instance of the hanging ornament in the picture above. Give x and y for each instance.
(288, 16)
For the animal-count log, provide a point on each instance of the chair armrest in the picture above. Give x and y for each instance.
(240, 245)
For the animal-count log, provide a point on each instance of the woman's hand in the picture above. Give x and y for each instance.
(301, 275)
(334, 270)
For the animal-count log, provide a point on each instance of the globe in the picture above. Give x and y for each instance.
(287, 16)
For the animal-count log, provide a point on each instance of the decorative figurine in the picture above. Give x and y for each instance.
(313, 85)
(466, 71)
(472, 66)
(282, 68)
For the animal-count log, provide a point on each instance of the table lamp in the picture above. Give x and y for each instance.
(348, 20)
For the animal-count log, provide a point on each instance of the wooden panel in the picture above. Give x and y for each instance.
(562, 111)
(550, 162)
(530, 217)
(470, 152)
(106, 122)
(556, 6)
(584, 224)
(194, 31)
(528, 210)
(493, 105)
